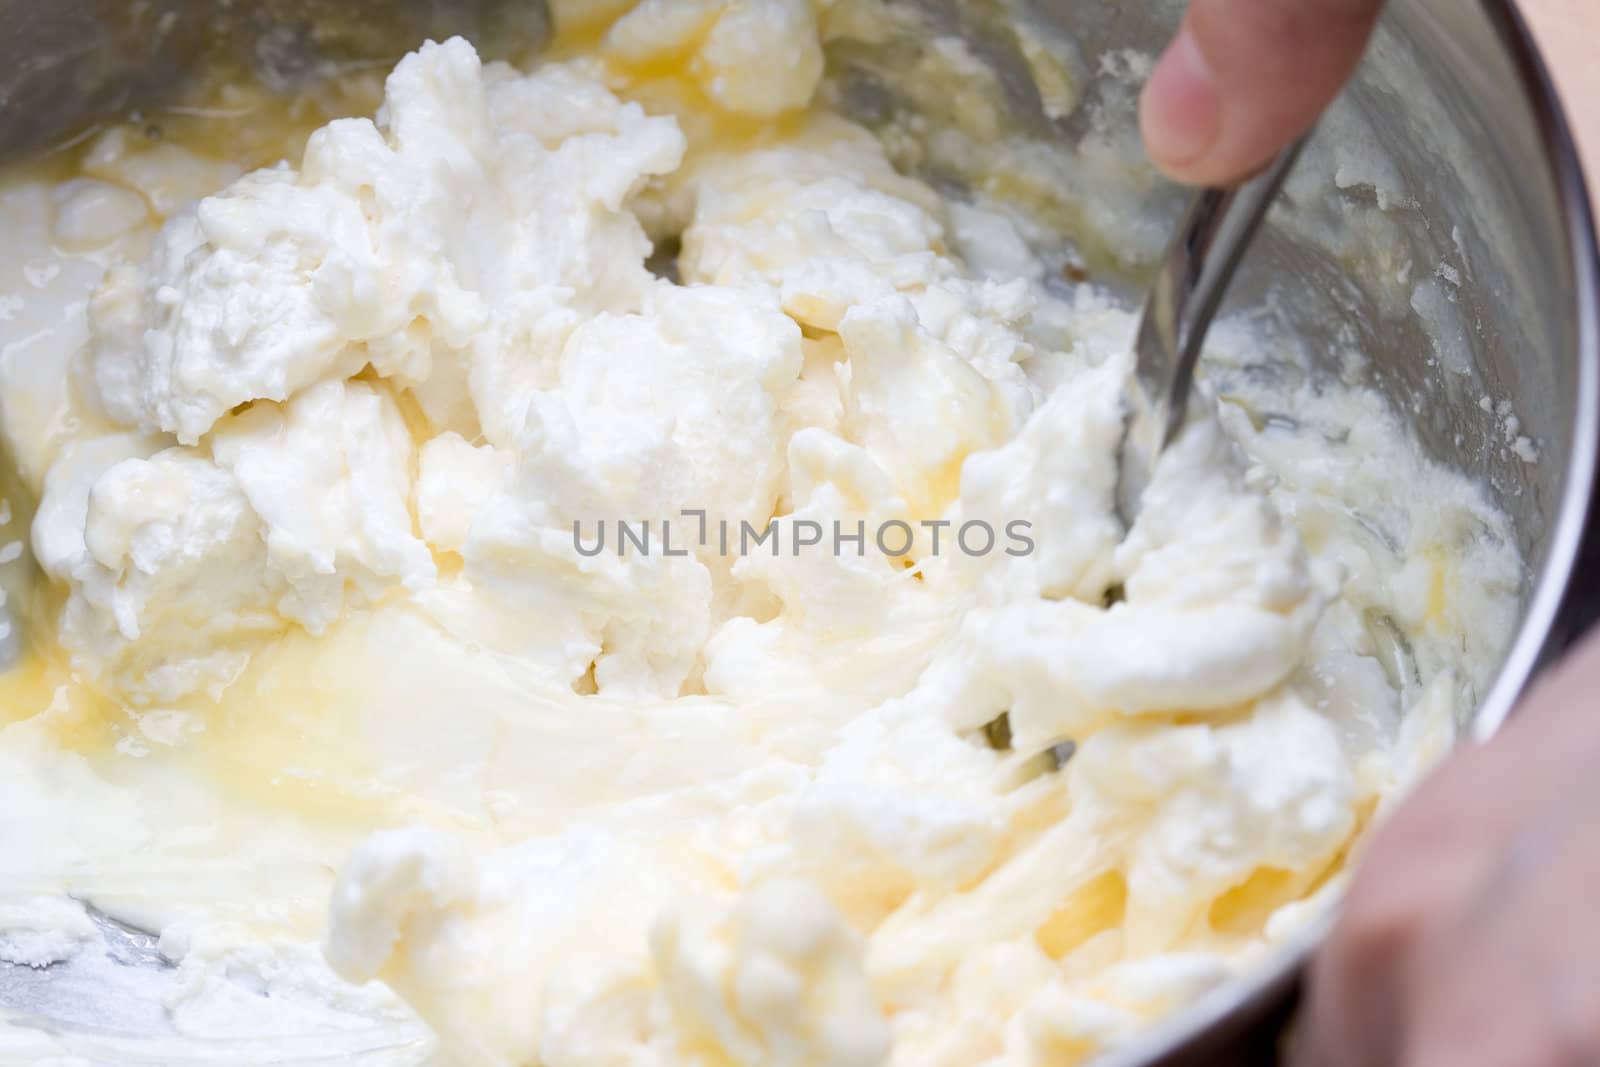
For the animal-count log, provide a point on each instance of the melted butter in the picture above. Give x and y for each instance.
(43, 687)
(667, 89)
(934, 496)
(281, 735)
(1093, 909)
(27, 689)
(1244, 910)
(665, 84)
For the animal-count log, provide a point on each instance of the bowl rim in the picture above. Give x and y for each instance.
(1260, 994)
(1539, 637)
(1230, 1011)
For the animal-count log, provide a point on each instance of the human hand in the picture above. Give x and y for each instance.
(1246, 77)
(1471, 937)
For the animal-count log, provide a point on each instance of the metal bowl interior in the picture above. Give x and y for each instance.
(1450, 147)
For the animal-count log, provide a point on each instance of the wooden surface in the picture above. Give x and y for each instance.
(1569, 35)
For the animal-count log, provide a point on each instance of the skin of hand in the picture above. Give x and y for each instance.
(1471, 936)
(1243, 78)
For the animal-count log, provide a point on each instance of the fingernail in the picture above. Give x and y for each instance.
(1181, 110)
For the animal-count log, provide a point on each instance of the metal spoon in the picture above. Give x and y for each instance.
(1188, 289)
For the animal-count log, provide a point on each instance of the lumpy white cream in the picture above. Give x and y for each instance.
(313, 453)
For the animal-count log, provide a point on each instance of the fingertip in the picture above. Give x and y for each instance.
(1180, 111)
(1244, 78)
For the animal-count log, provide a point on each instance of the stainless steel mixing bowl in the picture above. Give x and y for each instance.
(1450, 149)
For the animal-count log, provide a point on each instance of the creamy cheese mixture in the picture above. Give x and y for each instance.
(321, 454)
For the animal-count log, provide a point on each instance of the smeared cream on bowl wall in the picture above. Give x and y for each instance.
(320, 461)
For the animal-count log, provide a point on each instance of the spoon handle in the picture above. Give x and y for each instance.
(1188, 290)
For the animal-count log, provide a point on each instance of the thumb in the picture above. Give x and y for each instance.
(1246, 77)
